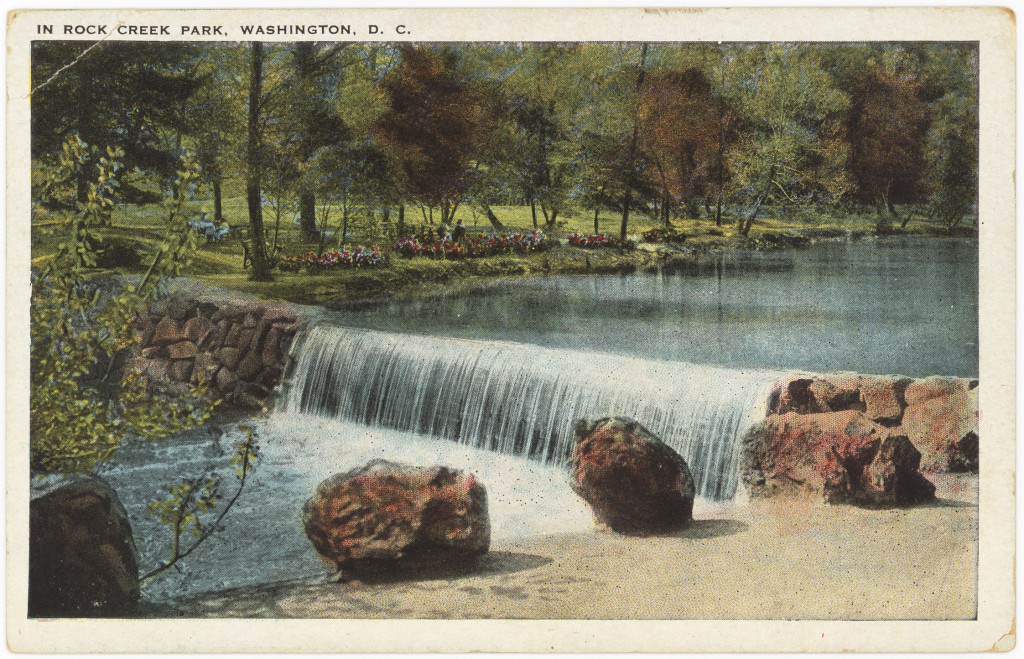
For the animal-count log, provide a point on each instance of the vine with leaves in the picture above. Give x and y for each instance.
(80, 413)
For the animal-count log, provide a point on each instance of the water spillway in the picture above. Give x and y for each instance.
(525, 400)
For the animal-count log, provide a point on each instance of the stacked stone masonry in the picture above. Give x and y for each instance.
(239, 350)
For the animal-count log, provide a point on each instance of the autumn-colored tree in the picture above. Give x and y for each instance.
(679, 137)
(433, 125)
(887, 129)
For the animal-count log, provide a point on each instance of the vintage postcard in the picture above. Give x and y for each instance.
(511, 330)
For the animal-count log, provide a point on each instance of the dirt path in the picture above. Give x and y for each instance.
(767, 560)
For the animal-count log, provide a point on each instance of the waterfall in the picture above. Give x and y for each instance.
(525, 400)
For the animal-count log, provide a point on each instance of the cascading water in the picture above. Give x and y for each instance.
(525, 400)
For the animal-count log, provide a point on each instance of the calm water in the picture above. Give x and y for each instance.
(894, 305)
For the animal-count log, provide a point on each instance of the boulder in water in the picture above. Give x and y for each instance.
(82, 558)
(387, 516)
(634, 482)
(843, 457)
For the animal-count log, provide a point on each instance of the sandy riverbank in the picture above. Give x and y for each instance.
(765, 560)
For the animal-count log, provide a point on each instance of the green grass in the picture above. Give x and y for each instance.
(220, 263)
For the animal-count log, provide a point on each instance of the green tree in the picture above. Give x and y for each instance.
(951, 153)
(794, 144)
(125, 93)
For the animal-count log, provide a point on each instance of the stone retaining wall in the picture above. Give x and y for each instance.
(240, 350)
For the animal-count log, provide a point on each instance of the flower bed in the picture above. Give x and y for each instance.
(445, 248)
(663, 236)
(593, 241)
(356, 258)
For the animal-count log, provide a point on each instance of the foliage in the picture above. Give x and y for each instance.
(78, 418)
(349, 136)
(794, 145)
(680, 136)
(119, 92)
(887, 127)
(192, 500)
(663, 236)
(434, 123)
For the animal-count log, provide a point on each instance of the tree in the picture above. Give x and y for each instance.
(433, 126)
(78, 415)
(254, 198)
(680, 137)
(630, 164)
(950, 88)
(887, 128)
(794, 113)
(130, 94)
(317, 125)
(216, 118)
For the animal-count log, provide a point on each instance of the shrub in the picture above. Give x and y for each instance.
(663, 236)
(77, 417)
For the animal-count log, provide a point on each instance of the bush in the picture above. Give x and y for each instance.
(663, 236)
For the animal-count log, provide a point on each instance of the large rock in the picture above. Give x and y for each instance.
(836, 393)
(843, 457)
(82, 558)
(942, 421)
(391, 516)
(634, 482)
(884, 399)
(166, 332)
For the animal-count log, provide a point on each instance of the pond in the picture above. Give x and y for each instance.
(897, 305)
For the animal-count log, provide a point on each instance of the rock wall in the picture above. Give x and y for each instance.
(939, 415)
(240, 350)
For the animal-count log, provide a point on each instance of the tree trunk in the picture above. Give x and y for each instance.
(401, 220)
(344, 225)
(745, 231)
(533, 211)
(554, 216)
(627, 197)
(718, 209)
(307, 214)
(492, 218)
(260, 263)
(218, 200)
(892, 208)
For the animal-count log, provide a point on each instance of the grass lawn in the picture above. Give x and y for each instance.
(220, 263)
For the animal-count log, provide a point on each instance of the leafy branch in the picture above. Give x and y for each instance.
(191, 499)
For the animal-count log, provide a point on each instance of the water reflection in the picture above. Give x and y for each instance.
(897, 305)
